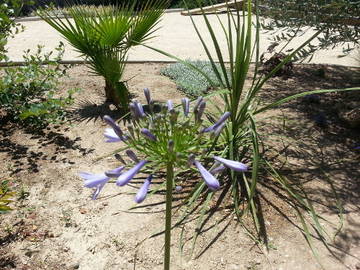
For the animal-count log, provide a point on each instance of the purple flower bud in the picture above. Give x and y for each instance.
(147, 95)
(140, 109)
(171, 146)
(218, 129)
(221, 121)
(134, 111)
(198, 101)
(178, 188)
(115, 172)
(115, 126)
(141, 195)
(132, 155)
(191, 159)
(125, 178)
(200, 111)
(119, 158)
(217, 169)
(148, 134)
(170, 105)
(234, 165)
(94, 180)
(209, 179)
(186, 105)
(173, 116)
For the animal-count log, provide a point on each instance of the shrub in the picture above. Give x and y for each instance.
(8, 11)
(27, 93)
(189, 81)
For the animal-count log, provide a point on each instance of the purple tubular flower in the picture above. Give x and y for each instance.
(111, 135)
(217, 169)
(200, 111)
(132, 155)
(148, 134)
(147, 95)
(140, 109)
(219, 123)
(198, 101)
(115, 172)
(357, 147)
(170, 105)
(234, 165)
(94, 180)
(97, 191)
(218, 129)
(209, 179)
(141, 194)
(125, 178)
(186, 105)
(113, 124)
(134, 111)
(191, 159)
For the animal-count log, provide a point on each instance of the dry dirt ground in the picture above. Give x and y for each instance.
(56, 225)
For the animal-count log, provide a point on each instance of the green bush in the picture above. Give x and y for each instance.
(189, 81)
(27, 94)
(8, 11)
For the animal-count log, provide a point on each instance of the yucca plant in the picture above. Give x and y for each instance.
(104, 37)
(241, 139)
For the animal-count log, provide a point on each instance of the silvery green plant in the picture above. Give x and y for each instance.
(173, 139)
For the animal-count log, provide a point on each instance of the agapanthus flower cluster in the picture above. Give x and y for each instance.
(174, 135)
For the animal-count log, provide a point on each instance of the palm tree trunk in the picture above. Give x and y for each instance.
(111, 95)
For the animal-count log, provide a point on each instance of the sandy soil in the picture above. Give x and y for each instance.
(56, 225)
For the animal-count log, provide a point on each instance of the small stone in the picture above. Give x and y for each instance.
(75, 266)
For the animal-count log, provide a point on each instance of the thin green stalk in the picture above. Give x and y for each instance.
(169, 187)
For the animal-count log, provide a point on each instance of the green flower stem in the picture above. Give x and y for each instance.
(169, 187)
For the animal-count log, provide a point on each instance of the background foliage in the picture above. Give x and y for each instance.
(339, 21)
(33, 5)
(27, 93)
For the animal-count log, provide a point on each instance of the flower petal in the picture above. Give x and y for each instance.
(113, 124)
(93, 180)
(125, 178)
(186, 105)
(97, 191)
(234, 165)
(170, 105)
(147, 95)
(209, 179)
(141, 194)
(111, 135)
(115, 172)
